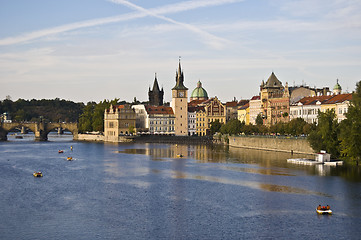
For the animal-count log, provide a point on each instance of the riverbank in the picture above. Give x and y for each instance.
(147, 139)
(279, 144)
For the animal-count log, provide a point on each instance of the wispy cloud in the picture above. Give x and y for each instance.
(210, 39)
(167, 9)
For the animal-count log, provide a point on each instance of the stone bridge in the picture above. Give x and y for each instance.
(40, 129)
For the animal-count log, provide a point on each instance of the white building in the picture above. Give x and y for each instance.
(255, 108)
(161, 119)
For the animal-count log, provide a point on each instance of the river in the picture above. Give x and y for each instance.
(144, 191)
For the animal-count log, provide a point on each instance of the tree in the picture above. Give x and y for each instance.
(233, 127)
(259, 119)
(350, 129)
(326, 135)
(215, 127)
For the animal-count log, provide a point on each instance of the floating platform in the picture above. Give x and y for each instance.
(306, 161)
(303, 161)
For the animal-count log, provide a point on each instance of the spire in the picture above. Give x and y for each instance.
(155, 85)
(179, 79)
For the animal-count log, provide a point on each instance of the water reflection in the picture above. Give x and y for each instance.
(258, 161)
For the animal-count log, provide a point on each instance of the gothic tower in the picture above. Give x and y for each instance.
(155, 95)
(180, 104)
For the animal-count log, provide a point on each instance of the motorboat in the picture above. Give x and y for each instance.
(37, 174)
(60, 151)
(69, 158)
(179, 156)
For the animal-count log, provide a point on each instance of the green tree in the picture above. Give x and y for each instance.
(233, 127)
(326, 135)
(351, 129)
(295, 126)
(259, 119)
(215, 127)
(86, 118)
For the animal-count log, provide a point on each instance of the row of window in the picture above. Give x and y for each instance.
(162, 122)
(165, 129)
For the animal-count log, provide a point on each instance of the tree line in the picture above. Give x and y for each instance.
(51, 110)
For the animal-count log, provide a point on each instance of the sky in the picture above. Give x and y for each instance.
(92, 50)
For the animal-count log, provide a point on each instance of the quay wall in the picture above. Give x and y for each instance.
(90, 137)
(291, 145)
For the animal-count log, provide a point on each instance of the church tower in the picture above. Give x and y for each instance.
(180, 104)
(156, 95)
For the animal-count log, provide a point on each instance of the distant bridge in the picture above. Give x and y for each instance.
(40, 129)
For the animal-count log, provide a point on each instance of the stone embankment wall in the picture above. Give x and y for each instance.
(90, 137)
(292, 145)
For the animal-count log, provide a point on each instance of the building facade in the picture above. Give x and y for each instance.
(118, 120)
(180, 104)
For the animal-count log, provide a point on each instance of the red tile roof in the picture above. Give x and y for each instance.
(159, 110)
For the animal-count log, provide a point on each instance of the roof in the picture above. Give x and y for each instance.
(199, 91)
(273, 82)
(231, 104)
(159, 110)
(324, 99)
(256, 98)
(245, 106)
(179, 79)
(339, 98)
(196, 102)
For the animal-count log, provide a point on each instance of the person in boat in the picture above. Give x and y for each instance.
(319, 207)
(328, 207)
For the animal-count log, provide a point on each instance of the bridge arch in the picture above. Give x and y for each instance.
(40, 130)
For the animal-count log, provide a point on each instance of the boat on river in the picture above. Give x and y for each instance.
(60, 151)
(323, 210)
(37, 174)
(179, 156)
(69, 158)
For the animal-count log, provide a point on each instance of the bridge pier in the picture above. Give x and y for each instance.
(23, 130)
(60, 130)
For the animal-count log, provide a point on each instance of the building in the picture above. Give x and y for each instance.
(209, 111)
(161, 120)
(243, 113)
(118, 120)
(142, 118)
(274, 101)
(180, 104)
(255, 109)
(307, 108)
(156, 95)
(231, 110)
(5, 118)
(199, 93)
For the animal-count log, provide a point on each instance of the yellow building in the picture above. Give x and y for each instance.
(243, 113)
(211, 110)
(118, 120)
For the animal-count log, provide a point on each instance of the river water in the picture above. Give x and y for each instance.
(143, 191)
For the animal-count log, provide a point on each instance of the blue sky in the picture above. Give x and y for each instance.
(91, 50)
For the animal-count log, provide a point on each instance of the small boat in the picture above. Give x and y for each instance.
(179, 156)
(323, 210)
(69, 158)
(37, 174)
(60, 151)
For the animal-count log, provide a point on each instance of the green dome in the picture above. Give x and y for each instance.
(199, 92)
(337, 86)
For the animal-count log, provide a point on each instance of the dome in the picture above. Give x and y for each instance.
(199, 92)
(337, 86)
